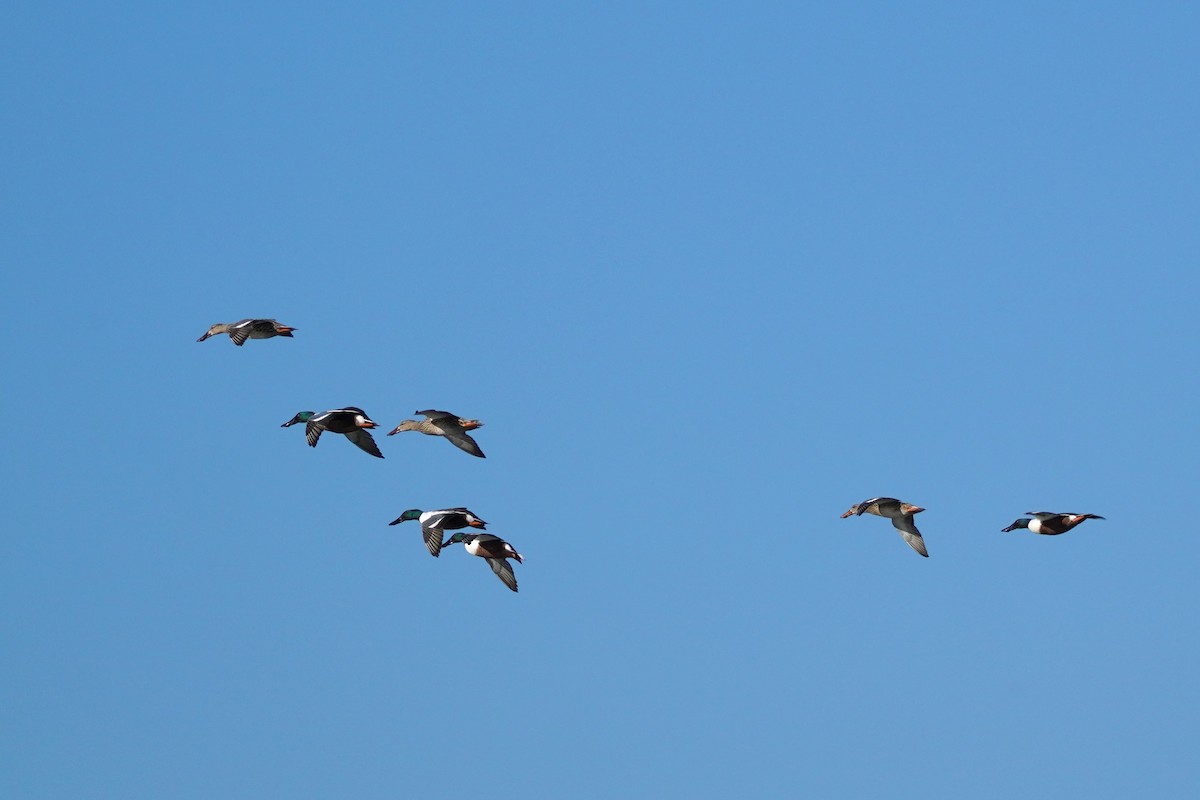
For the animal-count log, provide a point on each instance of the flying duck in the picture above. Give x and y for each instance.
(349, 420)
(245, 329)
(1048, 523)
(495, 550)
(901, 515)
(443, 423)
(434, 522)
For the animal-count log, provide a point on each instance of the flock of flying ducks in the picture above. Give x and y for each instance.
(355, 425)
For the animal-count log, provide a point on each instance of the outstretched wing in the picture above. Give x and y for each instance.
(365, 441)
(240, 331)
(910, 533)
(462, 440)
(433, 539)
(312, 433)
(504, 572)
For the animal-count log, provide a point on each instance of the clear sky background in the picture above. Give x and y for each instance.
(709, 273)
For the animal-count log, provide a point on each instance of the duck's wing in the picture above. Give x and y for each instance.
(503, 571)
(240, 331)
(463, 441)
(312, 432)
(364, 440)
(433, 539)
(266, 328)
(910, 533)
(448, 519)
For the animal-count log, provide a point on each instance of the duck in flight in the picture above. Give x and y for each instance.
(494, 550)
(901, 515)
(351, 421)
(1049, 523)
(245, 329)
(433, 523)
(443, 423)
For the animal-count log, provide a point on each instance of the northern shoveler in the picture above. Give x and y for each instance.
(245, 329)
(901, 515)
(443, 423)
(434, 522)
(1048, 523)
(495, 550)
(351, 421)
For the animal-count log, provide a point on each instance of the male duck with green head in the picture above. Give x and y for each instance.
(1050, 523)
(351, 421)
(434, 522)
(494, 550)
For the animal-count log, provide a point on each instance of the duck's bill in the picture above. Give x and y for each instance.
(202, 338)
(289, 423)
(849, 513)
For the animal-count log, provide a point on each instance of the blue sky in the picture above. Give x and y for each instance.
(709, 274)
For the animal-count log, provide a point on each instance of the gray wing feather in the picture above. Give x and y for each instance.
(910, 533)
(312, 433)
(433, 539)
(365, 441)
(504, 572)
(463, 441)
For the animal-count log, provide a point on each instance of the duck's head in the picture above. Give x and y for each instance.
(908, 509)
(406, 425)
(411, 514)
(854, 509)
(1021, 523)
(457, 538)
(220, 327)
(302, 416)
